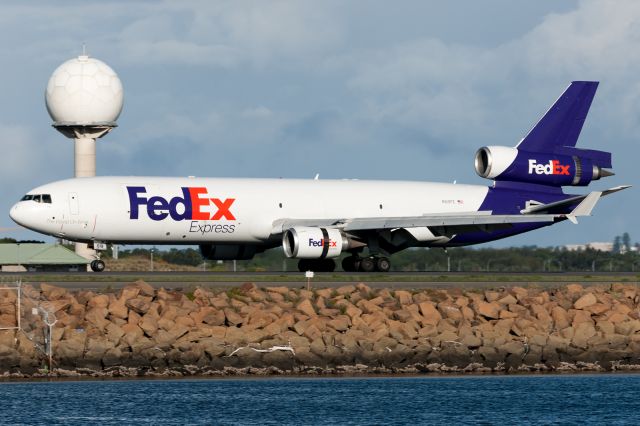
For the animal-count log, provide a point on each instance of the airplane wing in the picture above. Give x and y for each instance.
(458, 222)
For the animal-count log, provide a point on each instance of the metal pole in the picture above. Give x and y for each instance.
(19, 303)
(50, 348)
(234, 265)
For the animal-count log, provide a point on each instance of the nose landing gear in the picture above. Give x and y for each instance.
(97, 265)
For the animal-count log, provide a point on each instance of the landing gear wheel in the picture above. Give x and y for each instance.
(97, 265)
(367, 265)
(383, 264)
(328, 265)
(351, 264)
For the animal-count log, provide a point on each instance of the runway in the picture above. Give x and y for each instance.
(406, 280)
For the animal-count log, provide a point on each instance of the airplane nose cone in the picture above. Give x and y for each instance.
(14, 213)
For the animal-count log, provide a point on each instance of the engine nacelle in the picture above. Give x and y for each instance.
(502, 163)
(313, 243)
(229, 252)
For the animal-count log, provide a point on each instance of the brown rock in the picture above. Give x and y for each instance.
(580, 316)
(280, 290)
(97, 317)
(118, 309)
(430, 313)
(519, 292)
(129, 292)
(582, 333)
(51, 292)
(560, 318)
(114, 333)
(450, 311)
(344, 290)
(508, 300)
(362, 287)
(99, 301)
(627, 328)
(139, 305)
(56, 305)
(489, 310)
(306, 308)
(232, 317)
(606, 327)
(149, 325)
(574, 288)
(491, 296)
(597, 308)
(404, 297)
(352, 311)
(585, 301)
(145, 288)
(507, 314)
(340, 323)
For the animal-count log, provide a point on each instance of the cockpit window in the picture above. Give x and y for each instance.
(38, 198)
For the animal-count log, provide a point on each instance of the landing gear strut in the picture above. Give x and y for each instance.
(366, 264)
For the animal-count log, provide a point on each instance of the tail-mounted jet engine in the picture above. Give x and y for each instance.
(568, 167)
(314, 243)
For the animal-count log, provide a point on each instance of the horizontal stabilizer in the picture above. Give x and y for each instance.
(555, 206)
(585, 207)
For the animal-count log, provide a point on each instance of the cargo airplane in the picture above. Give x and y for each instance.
(317, 220)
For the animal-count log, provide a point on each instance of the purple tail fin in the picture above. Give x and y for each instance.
(561, 125)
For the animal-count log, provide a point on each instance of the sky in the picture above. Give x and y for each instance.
(346, 89)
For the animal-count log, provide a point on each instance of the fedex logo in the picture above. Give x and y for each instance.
(321, 243)
(192, 205)
(553, 167)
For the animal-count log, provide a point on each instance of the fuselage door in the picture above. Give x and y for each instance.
(73, 203)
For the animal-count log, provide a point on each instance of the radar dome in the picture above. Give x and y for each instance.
(84, 91)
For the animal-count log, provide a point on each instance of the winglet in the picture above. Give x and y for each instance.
(585, 207)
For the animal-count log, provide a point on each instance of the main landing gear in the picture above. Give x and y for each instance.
(366, 264)
(97, 265)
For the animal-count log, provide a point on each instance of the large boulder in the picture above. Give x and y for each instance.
(585, 301)
(139, 305)
(51, 292)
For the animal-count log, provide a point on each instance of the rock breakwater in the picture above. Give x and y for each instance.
(354, 329)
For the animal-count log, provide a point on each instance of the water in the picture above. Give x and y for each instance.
(576, 399)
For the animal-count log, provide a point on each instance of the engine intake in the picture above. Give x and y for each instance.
(313, 243)
(511, 164)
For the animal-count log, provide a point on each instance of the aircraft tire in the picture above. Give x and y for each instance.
(351, 264)
(97, 265)
(367, 265)
(383, 264)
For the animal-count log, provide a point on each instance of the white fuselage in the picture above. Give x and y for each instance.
(224, 211)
